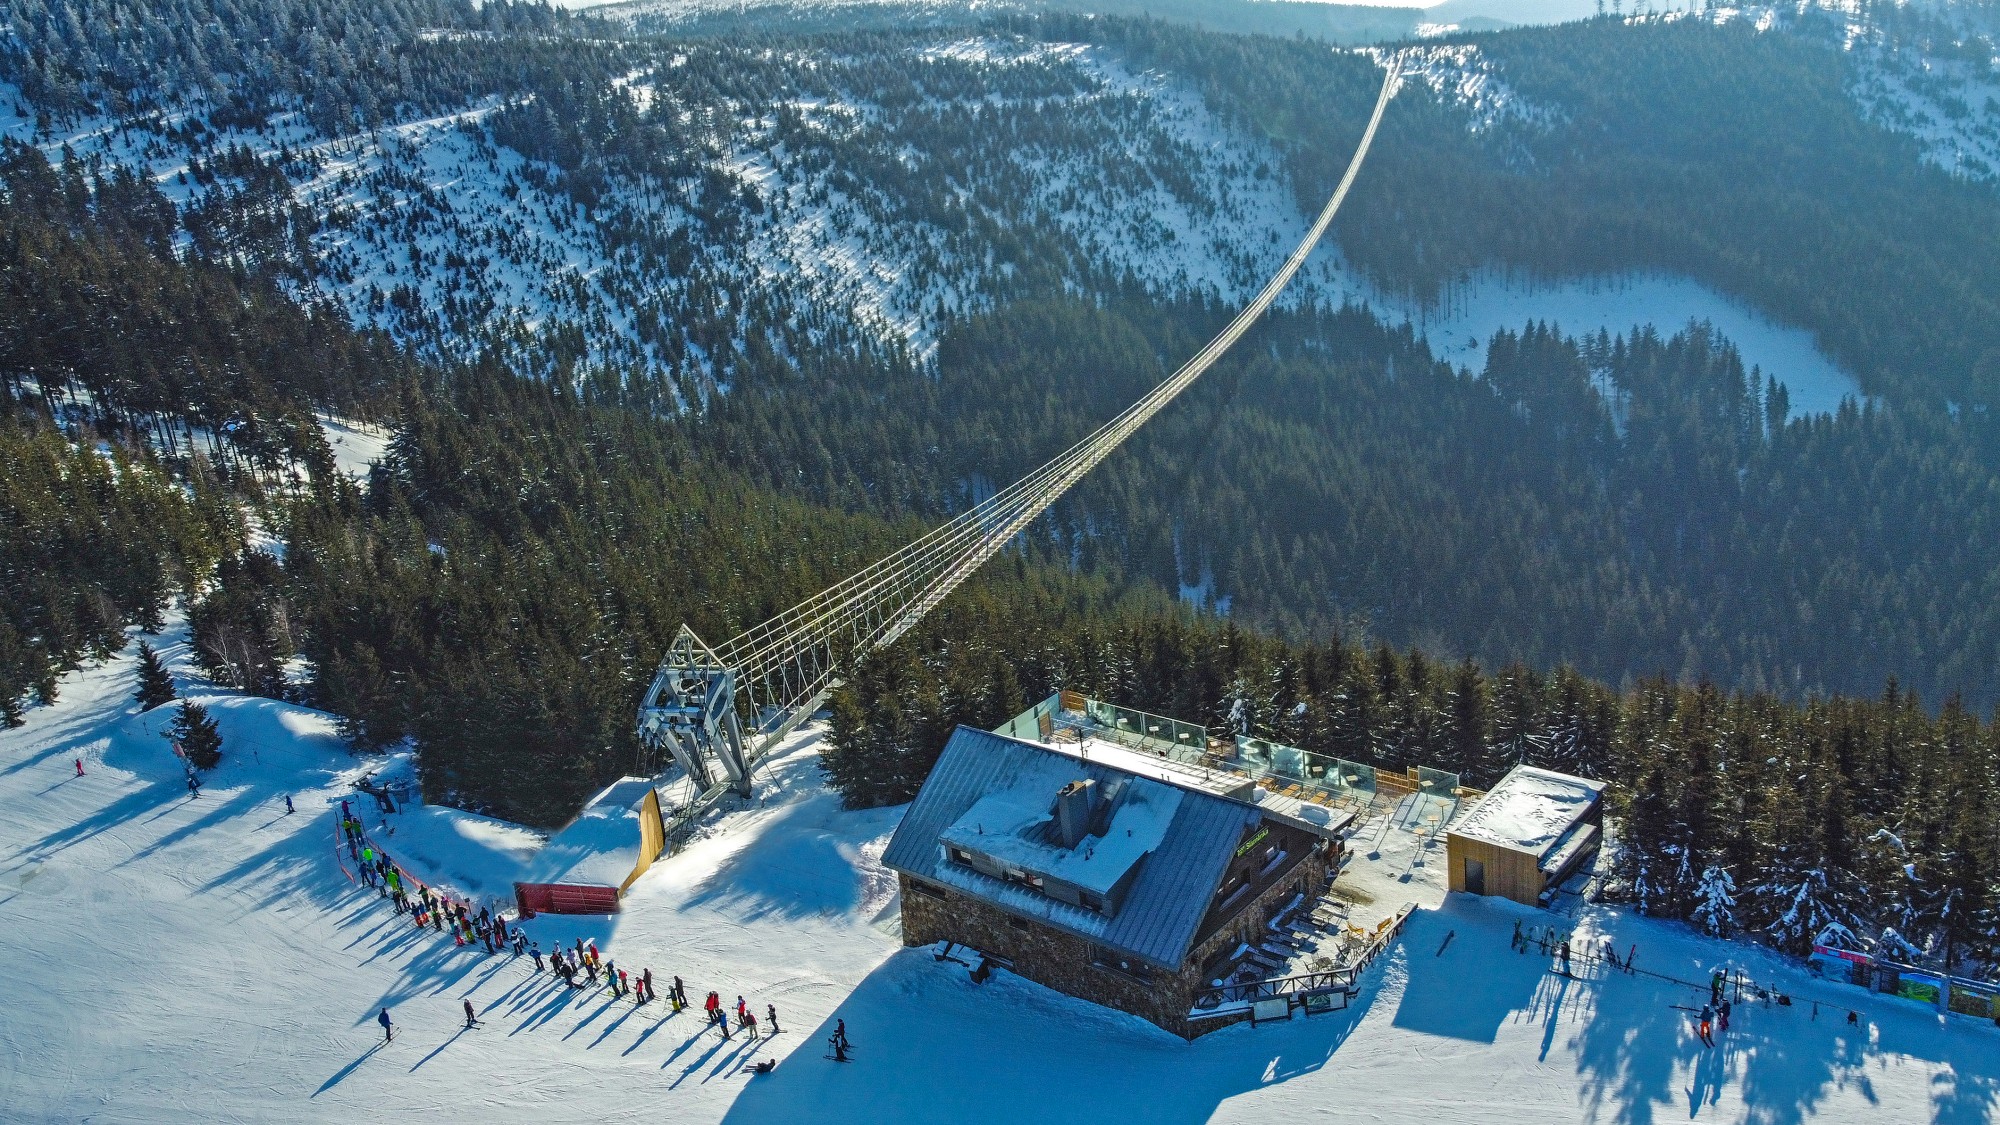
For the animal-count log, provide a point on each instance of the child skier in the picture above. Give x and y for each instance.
(1707, 1014)
(471, 1017)
(771, 1010)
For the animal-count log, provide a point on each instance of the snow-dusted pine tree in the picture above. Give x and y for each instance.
(1805, 904)
(1715, 901)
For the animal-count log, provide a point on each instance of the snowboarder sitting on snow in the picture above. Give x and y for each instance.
(764, 1067)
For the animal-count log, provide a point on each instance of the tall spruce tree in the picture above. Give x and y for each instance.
(155, 685)
(197, 735)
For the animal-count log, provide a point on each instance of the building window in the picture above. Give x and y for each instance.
(1125, 967)
(960, 855)
(1023, 878)
(925, 890)
(1090, 901)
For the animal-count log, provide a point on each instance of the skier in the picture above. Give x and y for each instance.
(1562, 951)
(622, 986)
(388, 1029)
(765, 1066)
(194, 787)
(288, 804)
(79, 767)
(590, 970)
(1707, 1015)
(680, 995)
(471, 1017)
(741, 1010)
(771, 1010)
(711, 1005)
(648, 979)
(1715, 987)
(839, 1041)
(520, 942)
(749, 1026)
(1723, 1012)
(537, 951)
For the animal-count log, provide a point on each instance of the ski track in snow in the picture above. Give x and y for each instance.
(174, 960)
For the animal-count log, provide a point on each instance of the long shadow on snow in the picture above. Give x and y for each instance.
(769, 881)
(914, 1024)
(1636, 1051)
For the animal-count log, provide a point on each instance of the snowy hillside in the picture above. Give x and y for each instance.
(183, 960)
(1930, 73)
(845, 206)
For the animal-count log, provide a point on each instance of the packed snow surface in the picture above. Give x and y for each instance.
(601, 846)
(175, 960)
(1529, 810)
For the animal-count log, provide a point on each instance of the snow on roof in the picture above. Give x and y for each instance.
(1009, 826)
(1530, 809)
(1179, 774)
(601, 846)
(1170, 892)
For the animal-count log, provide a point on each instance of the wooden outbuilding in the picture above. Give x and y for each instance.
(1526, 835)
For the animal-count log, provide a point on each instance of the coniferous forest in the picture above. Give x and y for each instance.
(1616, 555)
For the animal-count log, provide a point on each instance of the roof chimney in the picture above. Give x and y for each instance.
(1076, 803)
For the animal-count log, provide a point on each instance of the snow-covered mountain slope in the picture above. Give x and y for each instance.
(871, 195)
(1930, 73)
(198, 960)
(1940, 83)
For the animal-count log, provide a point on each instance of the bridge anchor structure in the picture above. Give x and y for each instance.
(717, 711)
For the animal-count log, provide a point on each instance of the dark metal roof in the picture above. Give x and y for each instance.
(1169, 896)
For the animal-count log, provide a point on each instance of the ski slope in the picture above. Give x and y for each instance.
(176, 960)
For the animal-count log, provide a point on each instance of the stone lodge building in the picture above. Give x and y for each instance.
(1102, 871)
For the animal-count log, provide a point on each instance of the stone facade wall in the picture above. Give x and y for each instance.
(933, 913)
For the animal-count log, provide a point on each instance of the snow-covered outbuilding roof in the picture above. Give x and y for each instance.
(1531, 810)
(1181, 841)
(601, 847)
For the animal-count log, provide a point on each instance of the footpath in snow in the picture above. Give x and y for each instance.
(194, 960)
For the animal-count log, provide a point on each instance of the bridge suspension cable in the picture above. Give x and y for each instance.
(719, 710)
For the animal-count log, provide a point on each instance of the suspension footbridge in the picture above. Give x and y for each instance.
(717, 710)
